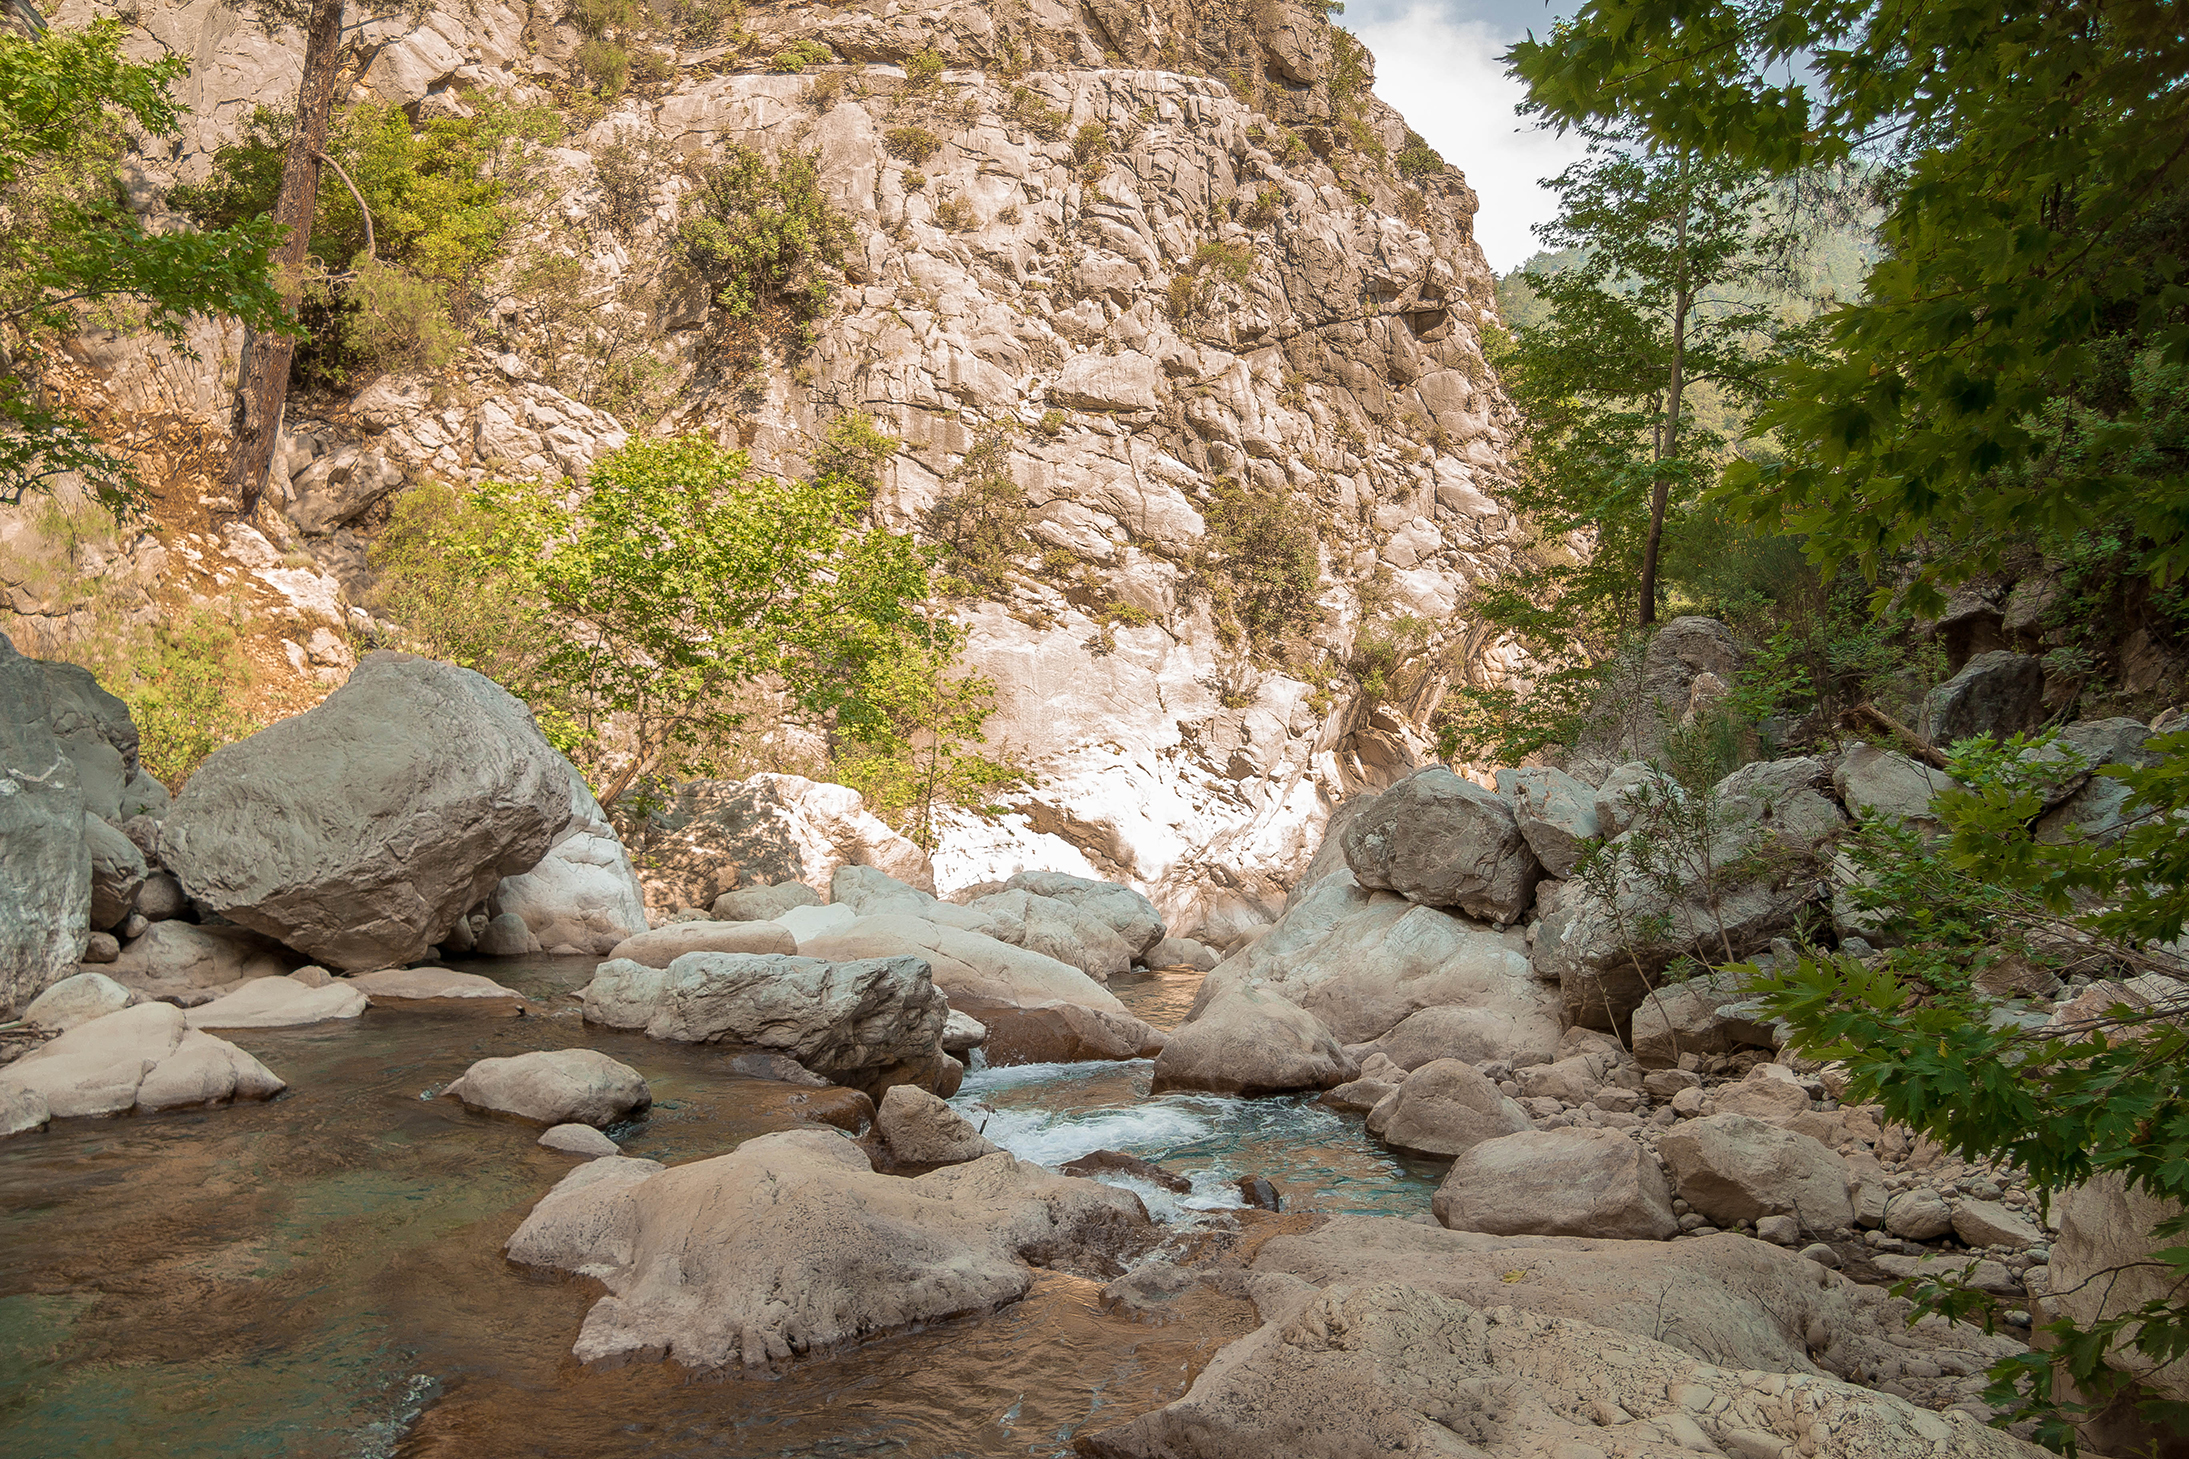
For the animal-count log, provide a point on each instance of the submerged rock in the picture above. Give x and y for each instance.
(792, 1244)
(555, 1087)
(436, 987)
(142, 1058)
(1117, 1162)
(581, 1140)
(361, 829)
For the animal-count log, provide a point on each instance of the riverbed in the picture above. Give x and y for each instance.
(321, 1275)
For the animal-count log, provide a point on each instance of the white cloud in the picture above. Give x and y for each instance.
(1444, 76)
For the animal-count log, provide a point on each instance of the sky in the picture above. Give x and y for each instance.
(1436, 61)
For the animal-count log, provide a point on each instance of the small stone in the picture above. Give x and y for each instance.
(1688, 1103)
(1918, 1215)
(579, 1140)
(1263, 1195)
(312, 977)
(102, 947)
(1821, 1254)
(1779, 1230)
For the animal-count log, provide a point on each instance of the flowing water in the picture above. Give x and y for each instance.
(321, 1275)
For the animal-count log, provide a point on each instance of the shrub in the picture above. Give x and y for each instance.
(826, 90)
(914, 180)
(954, 212)
(853, 449)
(183, 696)
(911, 144)
(597, 18)
(1036, 115)
(1089, 144)
(394, 320)
(1417, 158)
(799, 55)
(980, 522)
(761, 234)
(1211, 264)
(923, 68)
(1052, 421)
(1262, 565)
(1268, 206)
(606, 64)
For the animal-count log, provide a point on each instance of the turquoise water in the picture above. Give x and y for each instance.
(322, 1275)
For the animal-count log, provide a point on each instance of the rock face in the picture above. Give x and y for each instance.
(1393, 1369)
(555, 1087)
(1732, 1167)
(1558, 1183)
(360, 830)
(1252, 1041)
(866, 1024)
(720, 835)
(792, 1245)
(45, 867)
(920, 1129)
(2101, 1263)
(1999, 693)
(1445, 1108)
(583, 896)
(1444, 842)
(143, 1058)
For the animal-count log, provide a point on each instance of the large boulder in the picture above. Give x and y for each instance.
(2104, 1263)
(183, 959)
(117, 872)
(1748, 875)
(555, 1087)
(360, 830)
(282, 1003)
(866, 1024)
(78, 1000)
(919, 1129)
(715, 836)
(1181, 952)
(1733, 1167)
(1444, 1108)
(92, 728)
(1394, 1369)
(583, 897)
(1629, 792)
(2096, 810)
(1130, 915)
(1442, 841)
(1055, 928)
(664, 945)
(1688, 660)
(1575, 1182)
(1886, 785)
(1999, 693)
(1470, 1035)
(1555, 812)
(1702, 1016)
(1252, 1041)
(792, 1244)
(45, 867)
(142, 1058)
(1365, 961)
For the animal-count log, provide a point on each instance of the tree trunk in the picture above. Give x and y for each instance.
(262, 379)
(1668, 431)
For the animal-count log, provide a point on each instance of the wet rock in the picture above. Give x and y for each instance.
(1558, 1183)
(919, 1129)
(78, 1000)
(175, 958)
(280, 1003)
(1555, 812)
(1734, 1168)
(758, 904)
(431, 987)
(117, 872)
(361, 829)
(582, 1140)
(1386, 1360)
(780, 1068)
(664, 945)
(1443, 1109)
(582, 897)
(1130, 915)
(142, 1058)
(792, 1244)
(554, 1087)
(1365, 961)
(1997, 694)
(962, 1033)
(1259, 1193)
(1251, 1041)
(1442, 841)
(866, 1024)
(1180, 952)
(1117, 1162)
(45, 891)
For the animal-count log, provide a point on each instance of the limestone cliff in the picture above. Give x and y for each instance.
(1229, 284)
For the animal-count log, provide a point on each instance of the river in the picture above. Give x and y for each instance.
(321, 1276)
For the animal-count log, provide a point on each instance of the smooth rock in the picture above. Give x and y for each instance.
(1471, 1035)
(45, 867)
(398, 987)
(280, 1003)
(507, 936)
(144, 1058)
(759, 904)
(102, 947)
(1918, 1215)
(583, 897)
(865, 1024)
(1883, 784)
(178, 957)
(22, 1109)
(1130, 915)
(1734, 1168)
(78, 1000)
(579, 1140)
(361, 829)
(162, 897)
(1443, 1109)
(1987, 1223)
(1181, 952)
(791, 1244)
(1055, 928)
(1442, 841)
(1252, 1041)
(920, 1129)
(962, 1033)
(1573, 1182)
(664, 945)
(555, 1087)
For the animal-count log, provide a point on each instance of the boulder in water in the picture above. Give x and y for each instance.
(142, 1058)
(436, 988)
(1117, 1162)
(579, 1140)
(1252, 1041)
(1444, 1108)
(555, 1087)
(792, 1244)
(919, 1129)
(281, 1003)
(361, 829)
(582, 897)
(1180, 952)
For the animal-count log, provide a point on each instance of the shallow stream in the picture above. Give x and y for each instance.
(322, 1275)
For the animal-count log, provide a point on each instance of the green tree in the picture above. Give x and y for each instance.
(68, 242)
(907, 740)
